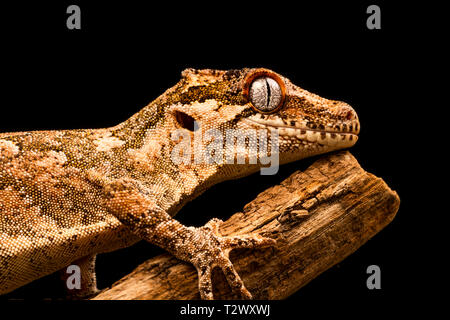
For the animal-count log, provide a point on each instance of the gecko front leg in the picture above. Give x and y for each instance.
(204, 247)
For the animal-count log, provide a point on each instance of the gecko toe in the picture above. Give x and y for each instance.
(248, 242)
(205, 283)
(233, 279)
(214, 225)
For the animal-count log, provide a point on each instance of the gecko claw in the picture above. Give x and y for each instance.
(214, 252)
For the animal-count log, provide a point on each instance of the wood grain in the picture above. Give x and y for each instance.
(319, 217)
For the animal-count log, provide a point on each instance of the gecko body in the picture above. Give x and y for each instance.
(68, 195)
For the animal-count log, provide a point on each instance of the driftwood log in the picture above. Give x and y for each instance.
(319, 217)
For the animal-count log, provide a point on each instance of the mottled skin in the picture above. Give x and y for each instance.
(66, 196)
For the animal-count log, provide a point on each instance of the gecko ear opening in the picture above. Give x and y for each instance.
(185, 121)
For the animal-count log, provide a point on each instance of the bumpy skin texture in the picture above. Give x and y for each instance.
(66, 196)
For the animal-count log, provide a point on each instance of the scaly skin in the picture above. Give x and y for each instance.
(68, 195)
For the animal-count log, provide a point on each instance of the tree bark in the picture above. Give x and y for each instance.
(318, 217)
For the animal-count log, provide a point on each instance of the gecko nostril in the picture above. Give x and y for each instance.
(349, 115)
(185, 121)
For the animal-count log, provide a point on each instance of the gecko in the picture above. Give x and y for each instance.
(68, 195)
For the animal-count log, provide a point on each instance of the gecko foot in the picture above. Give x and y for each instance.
(213, 250)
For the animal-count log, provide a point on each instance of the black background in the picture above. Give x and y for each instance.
(126, 54)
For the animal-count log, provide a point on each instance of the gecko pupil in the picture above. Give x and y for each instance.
(268, 92)
(265, 94)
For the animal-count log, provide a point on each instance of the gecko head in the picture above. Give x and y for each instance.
(306, 123)
(261, 100)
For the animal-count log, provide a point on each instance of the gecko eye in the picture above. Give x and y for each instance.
(265, 91)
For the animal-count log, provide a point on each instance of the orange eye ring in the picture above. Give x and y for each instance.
(261, 73)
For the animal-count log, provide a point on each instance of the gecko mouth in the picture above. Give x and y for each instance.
(332, 138)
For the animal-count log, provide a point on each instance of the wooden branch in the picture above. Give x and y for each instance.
(319, 217)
